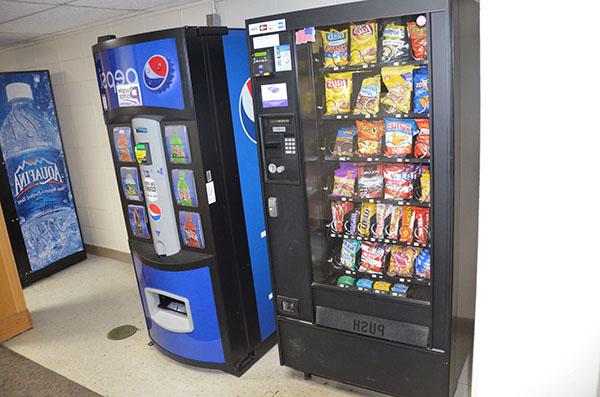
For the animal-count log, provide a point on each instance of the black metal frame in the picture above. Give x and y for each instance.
(303, 343)
(207, 116)
(12, 220)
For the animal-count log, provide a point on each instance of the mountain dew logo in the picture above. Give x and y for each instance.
(36, 172)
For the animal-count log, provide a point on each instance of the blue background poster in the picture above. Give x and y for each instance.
(35, 165)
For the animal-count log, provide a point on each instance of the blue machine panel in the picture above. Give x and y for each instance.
(143, 74)
(240, 95)
(204, 342)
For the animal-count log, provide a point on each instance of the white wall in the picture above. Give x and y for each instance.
(537, 324)
(69, 59)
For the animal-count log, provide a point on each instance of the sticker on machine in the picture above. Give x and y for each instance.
(270, 40)
(276, 25)
(274, 95)
(150, 190)
(211, 195)
(283, 58)
(129, 95)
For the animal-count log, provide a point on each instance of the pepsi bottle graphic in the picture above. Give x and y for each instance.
(37, 175)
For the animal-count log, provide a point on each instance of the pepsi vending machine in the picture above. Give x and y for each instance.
(180, 122)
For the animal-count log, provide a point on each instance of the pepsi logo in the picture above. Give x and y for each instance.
(154, 211)
(246, 111)
(158, 73)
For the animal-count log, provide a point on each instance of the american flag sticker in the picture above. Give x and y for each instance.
(306, 35)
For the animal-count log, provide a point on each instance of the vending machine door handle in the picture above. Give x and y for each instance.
(272, 206)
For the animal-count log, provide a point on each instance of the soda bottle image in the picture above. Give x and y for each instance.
(183, 191)
(177, 148)
(123, 146)
(131, 189)
(37, 174)
(191, 232)
(137, 221)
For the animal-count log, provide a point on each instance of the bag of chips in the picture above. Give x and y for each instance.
(335, 47)
(423, 264)
(370, 181)
(382, 211)
(421, 226)
(422, 141)
(418, 40)
(344, 142)
(369, 137)
(338, 88)
(372, 257)
(394, 45)
(402, 261)
(399, 83)
(406, 229)
(399, 137)
(339, 212)
(367, 101)
(344, 180)
(399, 180)
(348, 254)
(367, 217)
(394, 224)
(425, 184)
(363, 43)
(421, 99)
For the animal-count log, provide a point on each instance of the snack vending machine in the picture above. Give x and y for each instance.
(179, 117)
(368, 120)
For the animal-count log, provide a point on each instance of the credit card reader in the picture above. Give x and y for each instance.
(263, 63)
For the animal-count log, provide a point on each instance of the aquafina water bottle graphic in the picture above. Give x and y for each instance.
(37, 174)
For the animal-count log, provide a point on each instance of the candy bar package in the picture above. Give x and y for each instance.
(422, 141)
(351, 225)
(370, 181)
(394, 44)
(363, 43)
(399, 82)
(348, 254)
(425, 184)
(399, 180)
(369, 137)
(423, 264)
(335, 47)
(338, 89)
(399, 137)
(421, 226)
(365, 283)
(400, 289)
(381, 213)
(344, 180)
(339, 212)
(421, 97)
(367, 101)
(402, 261)
(344, 142)
(418, 40)
(372, 256)
(382, 286)
(395, 216)
(346, 280)
(406, 228)
(367, 218)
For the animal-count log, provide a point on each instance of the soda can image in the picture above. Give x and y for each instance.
(130, 182)
(192, 234)
(123, 146)
(184, 188)
(178, 146)
(138, 221)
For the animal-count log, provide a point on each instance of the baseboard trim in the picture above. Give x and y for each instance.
(108, 253)
(15, 324)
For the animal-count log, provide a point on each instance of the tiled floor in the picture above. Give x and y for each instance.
(73, 310)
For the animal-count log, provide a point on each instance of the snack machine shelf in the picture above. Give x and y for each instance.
(414, 203)
(366, 67)
(380, 159)
(379, 116)
(385, 277)
(384, 295)
(379, 240)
